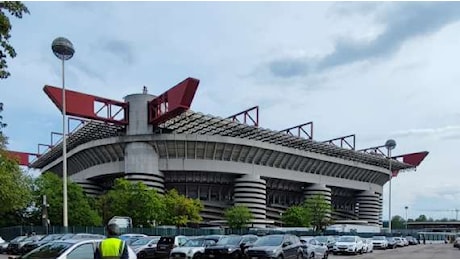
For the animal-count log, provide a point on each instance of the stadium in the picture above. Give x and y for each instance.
(229, 161)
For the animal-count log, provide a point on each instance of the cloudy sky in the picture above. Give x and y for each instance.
(377, 70)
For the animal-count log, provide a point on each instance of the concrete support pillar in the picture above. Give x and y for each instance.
(369, 207)
(250, 191)
(318, 189)
(141, 160)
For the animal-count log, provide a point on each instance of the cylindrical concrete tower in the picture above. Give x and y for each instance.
(141, 160)
(250, 191)
(369, 207)
(318, 189)
(90, 188)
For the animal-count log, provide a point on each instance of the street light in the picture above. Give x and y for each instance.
(63, 49)
(406, 207)
(390, 145)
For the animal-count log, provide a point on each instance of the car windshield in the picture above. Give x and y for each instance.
(321, 239)
(378, 238)
(269, 241)
(234, 240)
(48, 251)
(194, 243)
(144, 241)
(346, 239)
(18, 239)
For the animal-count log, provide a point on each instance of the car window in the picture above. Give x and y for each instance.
(312, 242)
(48, 251)
(182, 241)
(85, 251)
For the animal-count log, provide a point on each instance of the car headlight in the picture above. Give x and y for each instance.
(351, 246)
(229, 249)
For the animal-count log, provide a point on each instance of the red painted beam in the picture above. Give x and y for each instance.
(83, 105)
(21, 157)
(173, 102)
(414, 159)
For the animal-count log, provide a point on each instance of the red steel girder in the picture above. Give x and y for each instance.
(414, 159)
(173, 102)
(247, 116)
(84, 105)
(21, 157)
(300, 129)
(343, 140)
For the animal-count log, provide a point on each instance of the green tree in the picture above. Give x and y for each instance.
(296, 216)
(238, 216)
(135, 200)
(421, 218)
(320, 212)
(15, 186)
(80, 212)
(15, 9)
(397, 222)
(180, 210)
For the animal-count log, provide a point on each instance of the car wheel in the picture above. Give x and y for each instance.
(235, 255)
(142, 255)
(312, 256)
(299, 256)
(326, 255)
(280, 256)
(197, 256)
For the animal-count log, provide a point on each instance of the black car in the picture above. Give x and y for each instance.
(145, 247)
(232, 246)
(167, 243)
(391, 243)
(32, 245)
(276, 246)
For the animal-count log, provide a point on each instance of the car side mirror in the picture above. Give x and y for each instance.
(285, 244)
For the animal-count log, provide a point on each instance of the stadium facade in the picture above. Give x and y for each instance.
(221, 161)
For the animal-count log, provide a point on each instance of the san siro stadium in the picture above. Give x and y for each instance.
(159, 141)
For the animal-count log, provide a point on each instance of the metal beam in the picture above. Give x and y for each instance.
(349, 141)
(299, 130)
(247, 116)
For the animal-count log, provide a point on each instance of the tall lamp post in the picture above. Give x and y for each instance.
(63, 49)
(390, 145)
(406, 208)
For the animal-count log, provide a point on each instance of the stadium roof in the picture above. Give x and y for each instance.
(191, 122)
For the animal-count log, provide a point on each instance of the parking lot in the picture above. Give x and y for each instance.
(429, 251)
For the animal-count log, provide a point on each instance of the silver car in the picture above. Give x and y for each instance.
(193, 248)
(69, 249)
(314, 249)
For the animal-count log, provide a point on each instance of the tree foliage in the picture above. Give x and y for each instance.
(398, 222)
(296, 216)
(320, 211)
(80, 212)
(15, 9)
(238, 216)
(15, 186)
(136, 200)
(180, 210)
(421, 218)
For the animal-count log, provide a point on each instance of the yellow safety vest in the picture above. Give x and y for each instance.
(111, 248)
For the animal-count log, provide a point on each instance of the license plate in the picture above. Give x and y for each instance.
(211, 256)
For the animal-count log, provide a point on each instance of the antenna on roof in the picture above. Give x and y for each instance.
(144, 90)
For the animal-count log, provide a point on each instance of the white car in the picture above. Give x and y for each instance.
(69, 249)
(380, 242)
(399, 241)
(193, 248)
(367, 245)
(348, 244)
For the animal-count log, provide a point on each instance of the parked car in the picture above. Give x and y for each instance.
(68, 249)
(232, 246)
(276, 246)
(16, 248)
(3, 245)
(406, 242)
(412, 240)
(145, 247)
(457, 242)
(167, 243)
(329, 241)
(12, 247)
(348, 244)
(32, 245)
(130, 238)
(368, 245)
(312, 248)
(399, 241)
(194, 248)
(380, 242)
(391, 242)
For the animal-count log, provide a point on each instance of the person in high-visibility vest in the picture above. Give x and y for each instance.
(112, 247)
